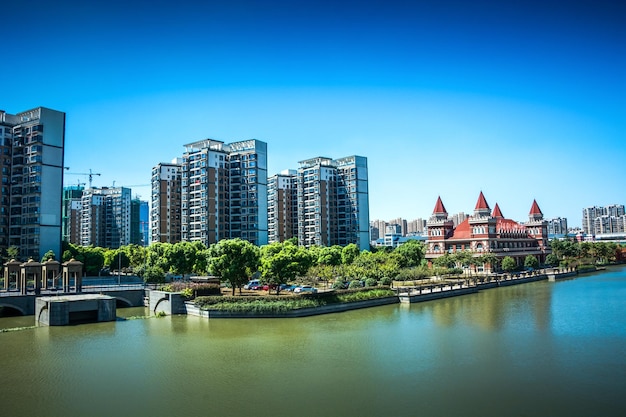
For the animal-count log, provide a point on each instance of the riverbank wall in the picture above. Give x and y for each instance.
(409, 295)
(301, 312)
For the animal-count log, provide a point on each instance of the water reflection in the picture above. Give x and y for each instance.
(541, 349)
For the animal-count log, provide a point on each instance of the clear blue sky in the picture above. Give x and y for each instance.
(520, 99)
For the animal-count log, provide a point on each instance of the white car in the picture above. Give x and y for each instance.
(305, 288)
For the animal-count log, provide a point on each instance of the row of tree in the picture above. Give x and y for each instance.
(235, 261)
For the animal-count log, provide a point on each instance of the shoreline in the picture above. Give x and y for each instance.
(434, 292)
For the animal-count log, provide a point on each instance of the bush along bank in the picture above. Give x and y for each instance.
(277, 306)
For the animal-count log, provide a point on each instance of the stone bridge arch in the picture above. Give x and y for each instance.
(14, 307)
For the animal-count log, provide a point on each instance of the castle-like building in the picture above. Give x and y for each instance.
(487, 231)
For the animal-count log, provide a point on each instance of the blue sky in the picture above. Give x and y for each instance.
(521, 100)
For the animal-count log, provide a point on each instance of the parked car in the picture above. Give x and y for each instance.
(305, 288)
(252, 285)
(268, 287)
(287, 287)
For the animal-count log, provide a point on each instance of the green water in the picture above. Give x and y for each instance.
(540, 349)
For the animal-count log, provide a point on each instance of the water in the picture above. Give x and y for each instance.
(540, 349)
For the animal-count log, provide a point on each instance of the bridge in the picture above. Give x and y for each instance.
(126, 295)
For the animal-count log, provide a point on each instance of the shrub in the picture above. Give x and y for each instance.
(355, 284)
(371, 282)
(385, 281)
(187, 293)
(338, 284)
(274, 304)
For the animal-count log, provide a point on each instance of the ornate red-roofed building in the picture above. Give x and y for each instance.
(488, 231)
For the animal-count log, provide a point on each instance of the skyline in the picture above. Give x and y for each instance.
(522, 102)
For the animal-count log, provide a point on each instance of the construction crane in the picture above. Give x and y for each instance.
(90, 174)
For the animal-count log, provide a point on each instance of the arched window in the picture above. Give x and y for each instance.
(479, 247)
(436, 248)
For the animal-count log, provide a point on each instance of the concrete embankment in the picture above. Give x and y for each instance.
(406, 295)
(301, 312)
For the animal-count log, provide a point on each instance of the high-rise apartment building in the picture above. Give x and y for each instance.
(222, 193)
(166, 212)
(106, 217)
(72, 209)
(604, 220)
(32, 181)
(416, 227)
(557, 226)
(333, 202)
(282, 206)
(139, 212)
(399, 222)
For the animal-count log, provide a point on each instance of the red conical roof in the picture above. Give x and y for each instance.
(496, 211)
(481, 203)
(439, 208)
(535, 208)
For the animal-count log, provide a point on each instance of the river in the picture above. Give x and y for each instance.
(538, 349)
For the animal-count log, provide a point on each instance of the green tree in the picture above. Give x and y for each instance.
(552, 260)
(531, 262)
(155, 255)
(48, 256)
(410, 253)
(349, 253)
(463, 259)
(13, 252)
(154, 274)
(234, 261)
(329, 255)
(490, 259)
(508, 264)
(283, 262)
(181, 257)
(444, 261)
(136, 255)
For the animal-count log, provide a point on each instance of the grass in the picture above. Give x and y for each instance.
(277, 304)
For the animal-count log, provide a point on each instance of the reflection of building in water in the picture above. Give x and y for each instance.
(487, 232)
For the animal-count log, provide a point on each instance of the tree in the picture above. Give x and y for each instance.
(410, 253)
(531, 262)
(444, 261)
(154, 274)
(489, 258)
(330, 255)
(48, 256)
(234, 261)
(552, 260)
(463, 259)
(508, 264)
(13, 252)
(349, 253)
(283, 262)
(181, 257)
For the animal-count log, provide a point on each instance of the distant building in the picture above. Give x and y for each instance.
(282, 206)
(72, 208)
(604, 220)
(393, 233)
(400, 222)
(138, 222)
(32, 144)
(557, 226)
(458, 218)
(377, 229)
(144, 223)
(106, 217)
(487, 231)
(416, 227)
